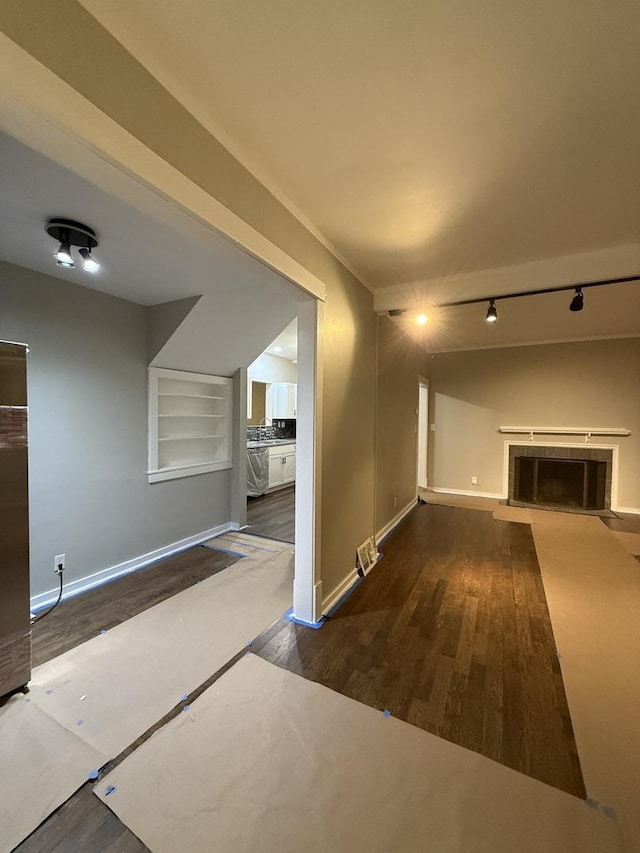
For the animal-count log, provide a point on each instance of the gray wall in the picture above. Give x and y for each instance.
(87, 379)
(583, 384)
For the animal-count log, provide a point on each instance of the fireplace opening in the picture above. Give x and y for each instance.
(573, 483)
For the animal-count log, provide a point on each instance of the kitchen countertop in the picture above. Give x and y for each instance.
(269, 442)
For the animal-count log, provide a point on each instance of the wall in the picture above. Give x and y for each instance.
(271, 368)
(71, 43)
(400, 362)
(583, 384)
(87, 381)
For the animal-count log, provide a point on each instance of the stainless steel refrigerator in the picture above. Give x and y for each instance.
(15, 630)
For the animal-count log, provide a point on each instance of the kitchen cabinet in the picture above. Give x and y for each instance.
(282, 465)
(282, 400)
(189, 423)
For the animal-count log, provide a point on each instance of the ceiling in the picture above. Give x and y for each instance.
(286, 344)
(420, 139)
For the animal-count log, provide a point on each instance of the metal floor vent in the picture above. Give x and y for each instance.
(367, 556)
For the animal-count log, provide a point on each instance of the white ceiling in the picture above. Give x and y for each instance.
(286, 344)
(422, 139)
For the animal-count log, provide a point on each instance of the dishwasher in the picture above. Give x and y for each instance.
(257, 471)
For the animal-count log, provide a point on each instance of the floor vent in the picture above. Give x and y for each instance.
(367, 556)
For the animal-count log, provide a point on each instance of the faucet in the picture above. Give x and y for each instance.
(262, 426)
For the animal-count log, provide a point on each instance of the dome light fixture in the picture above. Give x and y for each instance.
(577, 303)
(70, 233)
(421, 319)
(492, 312)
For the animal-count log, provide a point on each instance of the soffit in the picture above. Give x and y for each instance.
(421, 139)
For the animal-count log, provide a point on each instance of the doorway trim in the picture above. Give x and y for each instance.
(422, 443)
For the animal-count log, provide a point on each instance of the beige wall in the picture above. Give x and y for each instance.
(68, 41)
(400, 362)
(583, 384)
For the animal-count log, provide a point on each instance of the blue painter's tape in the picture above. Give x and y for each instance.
(80, 723)
(48, 692)
(186, 708)
(93, 774)
(250, 642)
(593, 804)
(386, 713)
(110, 789)
(610, 812)
(103, 631)
(184, 697)
(315, 625)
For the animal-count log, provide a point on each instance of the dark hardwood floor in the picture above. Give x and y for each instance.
(78, 619)
(273, 515)
(450, 632)
(625, 522)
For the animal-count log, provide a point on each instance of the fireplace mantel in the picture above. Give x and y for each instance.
(587, 432)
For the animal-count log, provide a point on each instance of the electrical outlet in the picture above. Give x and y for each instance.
(474, 480)
(58, 563)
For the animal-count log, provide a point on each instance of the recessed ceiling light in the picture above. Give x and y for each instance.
(421, 319)
(277, 349)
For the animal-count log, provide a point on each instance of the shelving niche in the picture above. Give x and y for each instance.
(189, 423)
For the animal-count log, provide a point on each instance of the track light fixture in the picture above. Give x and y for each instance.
(70, 233)
(577, 303)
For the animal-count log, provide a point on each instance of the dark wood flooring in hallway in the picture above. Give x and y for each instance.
(450, 632)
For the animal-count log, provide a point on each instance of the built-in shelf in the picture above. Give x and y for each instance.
(586, 431)
(189, 423)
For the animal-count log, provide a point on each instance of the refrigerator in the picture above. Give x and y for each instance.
(15, 619)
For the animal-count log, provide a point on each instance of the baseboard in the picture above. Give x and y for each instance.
(632, 510)
(73, 588)
(470, 494)
(388, 528)
(340, 591)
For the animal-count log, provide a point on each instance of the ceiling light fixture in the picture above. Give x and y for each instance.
(89, 263)
(577, 303)
(421, 319)
(277, 348)
(70, 233)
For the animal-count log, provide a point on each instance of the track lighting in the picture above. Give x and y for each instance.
(89, 263)
(71, 233)
(492, 312)
(577, 303)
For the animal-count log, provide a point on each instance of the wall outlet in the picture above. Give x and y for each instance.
(474, 480)
(58, 563)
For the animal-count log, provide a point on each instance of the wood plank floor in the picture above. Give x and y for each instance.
(273, 515)
(450, 632)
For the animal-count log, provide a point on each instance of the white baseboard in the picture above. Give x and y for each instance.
(343, 587)
(470, 494)
(44, 599)
(395, 521)
(632, 510)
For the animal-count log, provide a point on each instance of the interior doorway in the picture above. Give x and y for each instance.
(423, 432)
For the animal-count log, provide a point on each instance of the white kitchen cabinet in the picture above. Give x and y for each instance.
(282, 465)
(282, 400)
(189, 423)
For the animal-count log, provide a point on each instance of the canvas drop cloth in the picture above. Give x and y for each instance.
(41, 766)
(267, 761)
(114, 687)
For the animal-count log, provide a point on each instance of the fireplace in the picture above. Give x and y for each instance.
(577, 478)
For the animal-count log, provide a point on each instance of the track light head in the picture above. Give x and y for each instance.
(89, 263)
(577, 303)
(63, 254)
(492, 312)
